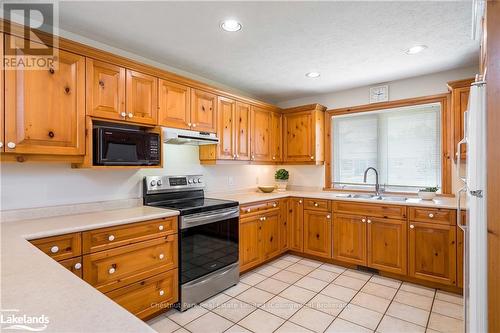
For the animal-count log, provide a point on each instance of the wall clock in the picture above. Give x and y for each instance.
(379, 94)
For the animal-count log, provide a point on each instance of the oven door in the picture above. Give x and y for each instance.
(208, 242)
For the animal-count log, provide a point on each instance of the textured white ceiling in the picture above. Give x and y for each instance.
(350, 43)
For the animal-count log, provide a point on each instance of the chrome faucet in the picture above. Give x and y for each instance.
(377, 185)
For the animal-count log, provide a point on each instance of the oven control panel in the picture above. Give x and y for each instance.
(172, 183)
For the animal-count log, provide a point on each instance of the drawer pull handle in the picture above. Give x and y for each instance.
(111, 270)
(161, 256)
(316, 204)
(363, 220)
(412, 226)
(54, 249)
(111, 238)
(369, 221)
(431, 215)
(160, 227)
(11, 145)
(161, 293)
(78, 265)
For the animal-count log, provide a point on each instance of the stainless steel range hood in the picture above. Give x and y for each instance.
(186, 137)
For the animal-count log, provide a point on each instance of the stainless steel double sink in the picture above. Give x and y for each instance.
(371, 197)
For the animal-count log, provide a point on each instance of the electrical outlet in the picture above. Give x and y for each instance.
(230, 181)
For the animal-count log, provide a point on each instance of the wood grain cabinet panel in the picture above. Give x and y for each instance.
(296, 224)
(203, 111)
(45, 109)
(2, 128)
(368, 209)
(250, 242)
(318, 233)
(60, 247)
(105, 90)
(226, 129)
(460, 251)
(349, 239)
(283, 204)
(115, 268)
(276, 137)
(387, 245)
(148, 296)
(174, 109)
(242, 131)
(74, 265)
(317, 204)
(432, 252)
(270, 235)
(433, 215)
(261, 135)
(459, 102)
(142, 99)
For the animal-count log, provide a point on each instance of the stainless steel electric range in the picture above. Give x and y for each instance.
(208, 235)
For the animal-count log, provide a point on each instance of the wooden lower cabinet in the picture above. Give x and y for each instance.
(270, 236)
(284, 225)
(460, 250)
(296, 224)
(387, 245)
(74, 265)
(250, 252)
(349, 239)
(149, 296)
(60, 247)
(318, 233)
(432, 252)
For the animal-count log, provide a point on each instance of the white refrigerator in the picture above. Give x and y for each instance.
(475, 228)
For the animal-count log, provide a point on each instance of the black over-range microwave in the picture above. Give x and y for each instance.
(116, 144)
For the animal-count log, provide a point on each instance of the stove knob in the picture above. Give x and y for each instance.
(158, 182)
(190, 181)
(199, 180)
(153, 182)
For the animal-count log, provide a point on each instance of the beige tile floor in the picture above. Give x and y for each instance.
(293, 294)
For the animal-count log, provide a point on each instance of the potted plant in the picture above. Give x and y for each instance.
(428, 193)
(281, 178)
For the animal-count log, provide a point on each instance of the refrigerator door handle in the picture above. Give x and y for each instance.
(459, 208)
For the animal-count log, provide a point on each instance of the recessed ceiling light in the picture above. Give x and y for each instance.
(416, 49)
(230, 25)
(313, 75)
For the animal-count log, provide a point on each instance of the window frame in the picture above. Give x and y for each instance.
(446, 135)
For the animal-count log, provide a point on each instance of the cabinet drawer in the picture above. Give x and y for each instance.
(75, 265)
(259, 207)
(317, 204)
(111, 269)
(60, 247)
(108, 238)
(148, 296)
(434, 215)
(369, 209)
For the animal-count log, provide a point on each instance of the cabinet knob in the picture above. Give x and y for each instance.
(316, 204)
(263, 218)
(300, 201)
(312, 157)
(161, 292)
(160, 227)
(369, 221)
(111, 238)
(431, 215)
(11, 145)
(161, 256)
(328, 216)
(248, 210)
(253, 157)
(189, 124)
(275, 205)
(194, 125)
(111, 270)
(54, 249)
(1, 144)
(412, 226)
(78, 265)
(123, 114)
(274, 157)
(130, 115)
(363, 220)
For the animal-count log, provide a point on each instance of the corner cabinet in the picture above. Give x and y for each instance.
(304, 134)
(459, 102)
(45, 109)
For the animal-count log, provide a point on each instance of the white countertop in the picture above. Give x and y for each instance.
(37, 285)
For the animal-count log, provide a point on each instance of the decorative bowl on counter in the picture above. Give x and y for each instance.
(424, 195)
(267, 188)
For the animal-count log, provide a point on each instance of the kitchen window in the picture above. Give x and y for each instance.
(407, 144)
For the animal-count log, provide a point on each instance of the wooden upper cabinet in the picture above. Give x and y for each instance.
(296, 224)
(2, 136)
(304, 134)
(276, 137)
(105, 90)
(174, 108)
(387, 245)
(141, 93)
(271, 235)
(250, 252)
(226, 129)
(459, 103)
(242, 131)
(432, 252)
(203, 111)
(318, 233)
(349, 239)
(261, 135)
(45, 109)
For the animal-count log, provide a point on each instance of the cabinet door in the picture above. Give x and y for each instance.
(276, 137)
(261, 135)
(45, 109)
(105, 90)
(387, 245)
(296, 224)
(460, 250)
(203, 111)
(271, 236)
(284, 224)
(242, 131)
(142, 100)
(318, 233)
(250, 252)
(173, 105)
(299, 140)
(432, 252)
(349, 238)
(226, 129)
(2, 136)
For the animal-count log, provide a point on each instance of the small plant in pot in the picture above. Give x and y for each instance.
(428, 193)
(281, 178)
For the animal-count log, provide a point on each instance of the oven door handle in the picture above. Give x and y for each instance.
(200, 219)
